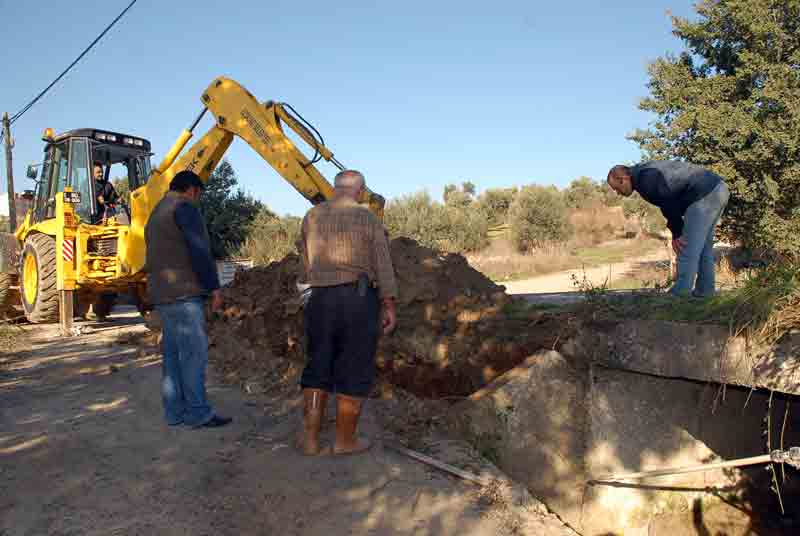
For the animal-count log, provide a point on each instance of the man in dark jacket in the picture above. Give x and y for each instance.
(105, 194)
(181, 275)
(692, 200)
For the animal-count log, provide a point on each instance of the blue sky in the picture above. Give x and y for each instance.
(415, 94)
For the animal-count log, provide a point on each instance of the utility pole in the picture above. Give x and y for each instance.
(12, 205)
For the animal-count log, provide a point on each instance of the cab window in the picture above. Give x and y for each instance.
(80, 178)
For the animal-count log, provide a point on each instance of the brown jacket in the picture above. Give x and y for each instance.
(342, 239)
(168, 264)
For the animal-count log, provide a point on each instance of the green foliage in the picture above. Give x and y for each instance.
(648, 216)
(228, 212)
(451, 228)
(270, 238)
(539, 218)
(495, 203)
(730, 102)
(583, 192)
(459, 197)
(121, 187)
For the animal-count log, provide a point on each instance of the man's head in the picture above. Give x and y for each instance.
(188, 184)
(97, 171)
(349, 183)
(620, 180)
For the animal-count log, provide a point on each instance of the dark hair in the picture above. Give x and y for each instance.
(97, 163)
(185, 180)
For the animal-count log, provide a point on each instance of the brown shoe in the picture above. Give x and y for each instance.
(348, 411)
(314, 402)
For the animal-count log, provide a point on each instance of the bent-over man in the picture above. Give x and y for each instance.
(692, 200)
(181, 275)
(347, 264)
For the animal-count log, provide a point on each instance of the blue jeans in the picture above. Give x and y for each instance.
(183, 382)
(696, 260)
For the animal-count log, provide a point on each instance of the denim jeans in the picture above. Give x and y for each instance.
(696, 260)
(183, 381)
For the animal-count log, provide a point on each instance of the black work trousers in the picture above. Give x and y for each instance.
(342, 331)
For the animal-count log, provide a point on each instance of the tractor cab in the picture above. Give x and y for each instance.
(70, 160)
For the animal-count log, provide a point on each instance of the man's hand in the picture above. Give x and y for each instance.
(216, 300)
(389, 316)
(678, 244)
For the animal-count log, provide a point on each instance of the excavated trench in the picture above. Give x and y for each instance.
(457, 330)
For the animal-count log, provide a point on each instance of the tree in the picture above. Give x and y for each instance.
(647, 215)
(583, 192)
(270, 238)
(495, 203)
(228, 212)
(730, 102)
(459, 197)
(122, 188)
(539, 218)
(447, 228)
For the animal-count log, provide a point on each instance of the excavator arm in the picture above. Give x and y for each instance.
(238, 113)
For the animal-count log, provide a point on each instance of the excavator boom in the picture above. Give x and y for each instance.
(238, 113)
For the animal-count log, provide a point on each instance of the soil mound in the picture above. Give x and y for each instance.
(457, 330)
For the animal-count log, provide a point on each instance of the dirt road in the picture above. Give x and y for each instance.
(559, 288)
(83, 450)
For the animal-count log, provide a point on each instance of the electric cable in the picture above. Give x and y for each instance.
(71, 65)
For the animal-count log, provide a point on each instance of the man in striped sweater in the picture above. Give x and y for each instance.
(347, 265)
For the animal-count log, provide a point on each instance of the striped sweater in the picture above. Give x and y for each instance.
(341, 239)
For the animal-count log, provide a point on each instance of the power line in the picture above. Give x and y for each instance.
(71, 65)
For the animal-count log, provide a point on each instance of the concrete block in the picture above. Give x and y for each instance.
(555, 427)
(700, 352)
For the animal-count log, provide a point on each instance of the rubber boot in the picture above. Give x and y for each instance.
(348, 411)
(314, 402)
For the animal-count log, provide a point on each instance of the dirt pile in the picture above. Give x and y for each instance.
(457, 330)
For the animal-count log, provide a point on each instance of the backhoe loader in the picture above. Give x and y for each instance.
(65, 256)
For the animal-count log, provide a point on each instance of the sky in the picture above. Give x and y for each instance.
(415, 94)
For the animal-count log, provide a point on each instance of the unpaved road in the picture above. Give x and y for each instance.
(84, 451)
(560, 288)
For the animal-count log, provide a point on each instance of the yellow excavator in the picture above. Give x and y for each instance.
(66, 256)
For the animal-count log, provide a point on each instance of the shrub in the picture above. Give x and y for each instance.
(583, 192)
(270, 238)
(448, 228)
(495, 203)
(539, 218)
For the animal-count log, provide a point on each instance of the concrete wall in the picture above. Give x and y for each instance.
(691, 351)
(555, 426)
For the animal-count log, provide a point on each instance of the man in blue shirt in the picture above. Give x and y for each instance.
(692, 199)
(181, 276)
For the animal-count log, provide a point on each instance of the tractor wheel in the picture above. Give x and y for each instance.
(103, 305)
(9, 297)
(38, 279)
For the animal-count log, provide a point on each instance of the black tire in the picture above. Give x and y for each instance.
(44, 305)
(9, 298)
(103, 305)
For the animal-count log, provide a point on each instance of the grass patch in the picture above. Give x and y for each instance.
(766, 305)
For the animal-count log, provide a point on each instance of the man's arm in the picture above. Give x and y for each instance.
(189, 220)
(674, 215)
(384, 271)
(303, 247)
